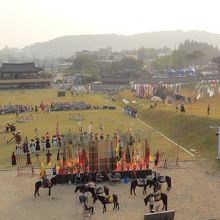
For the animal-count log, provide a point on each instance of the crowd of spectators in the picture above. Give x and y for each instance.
(66, 106)
(131, 111)
(55, 106)
(7, 109)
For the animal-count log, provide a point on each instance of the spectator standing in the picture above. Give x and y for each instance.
(208, 109)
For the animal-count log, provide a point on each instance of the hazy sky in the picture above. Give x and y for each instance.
(23, 22)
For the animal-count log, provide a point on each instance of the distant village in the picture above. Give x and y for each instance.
(108, 70)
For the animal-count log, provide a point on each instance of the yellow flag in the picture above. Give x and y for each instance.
(117, 150)
(42, 168)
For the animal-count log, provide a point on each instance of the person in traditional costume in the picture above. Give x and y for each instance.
(54, 142)
(32, 146)
(43, 143)
(28, 158)
(47, 142)
(45, 182)
(37, 144)
(18, 149)
(25, 145)
(13, 159)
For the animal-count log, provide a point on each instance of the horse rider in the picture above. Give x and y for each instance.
(155, 175)
(46, 182)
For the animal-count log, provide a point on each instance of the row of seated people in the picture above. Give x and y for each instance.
(99, 177)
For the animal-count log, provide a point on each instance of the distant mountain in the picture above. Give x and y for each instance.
(67, 45)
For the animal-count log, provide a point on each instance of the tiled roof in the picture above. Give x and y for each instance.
(19, 68)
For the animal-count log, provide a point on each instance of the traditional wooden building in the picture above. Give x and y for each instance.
(111, 83)
(22, 75)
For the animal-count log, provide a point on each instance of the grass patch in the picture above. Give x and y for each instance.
(114, 120)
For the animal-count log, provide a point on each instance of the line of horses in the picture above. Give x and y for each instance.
(155, 183)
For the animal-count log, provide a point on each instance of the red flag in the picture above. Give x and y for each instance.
(157, 159)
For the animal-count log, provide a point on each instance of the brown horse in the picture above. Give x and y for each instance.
(93, 190)
(39, 184)
(144, 183)
(107, 200)
(162, 197)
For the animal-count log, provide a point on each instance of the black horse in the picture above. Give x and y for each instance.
(162, 179)
(162, 197)
(93, 190)
(39, 184)
(142, 183)
(107, 200)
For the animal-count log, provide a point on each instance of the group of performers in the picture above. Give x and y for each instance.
(37, 144)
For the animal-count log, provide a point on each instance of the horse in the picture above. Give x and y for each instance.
(134, 184)
(162, 179)
(92, 190)
(107, 200)
(162, 197)
(39, 184)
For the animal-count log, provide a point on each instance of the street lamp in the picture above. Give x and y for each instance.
(217, 132)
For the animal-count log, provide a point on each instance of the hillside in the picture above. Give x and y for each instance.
(68, 45)
(190, 130)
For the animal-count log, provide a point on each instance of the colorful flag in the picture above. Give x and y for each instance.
(42, 168)
(147, 153)
(117, 151)
(58, 155)
(157, 159)
(128, 155)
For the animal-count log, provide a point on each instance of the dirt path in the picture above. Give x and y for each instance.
(195, 195)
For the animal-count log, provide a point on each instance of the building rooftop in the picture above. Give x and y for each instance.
(19, 68)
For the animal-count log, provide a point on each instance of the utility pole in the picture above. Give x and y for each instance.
(217, 132)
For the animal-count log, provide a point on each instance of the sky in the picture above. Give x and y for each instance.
(24, 22)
